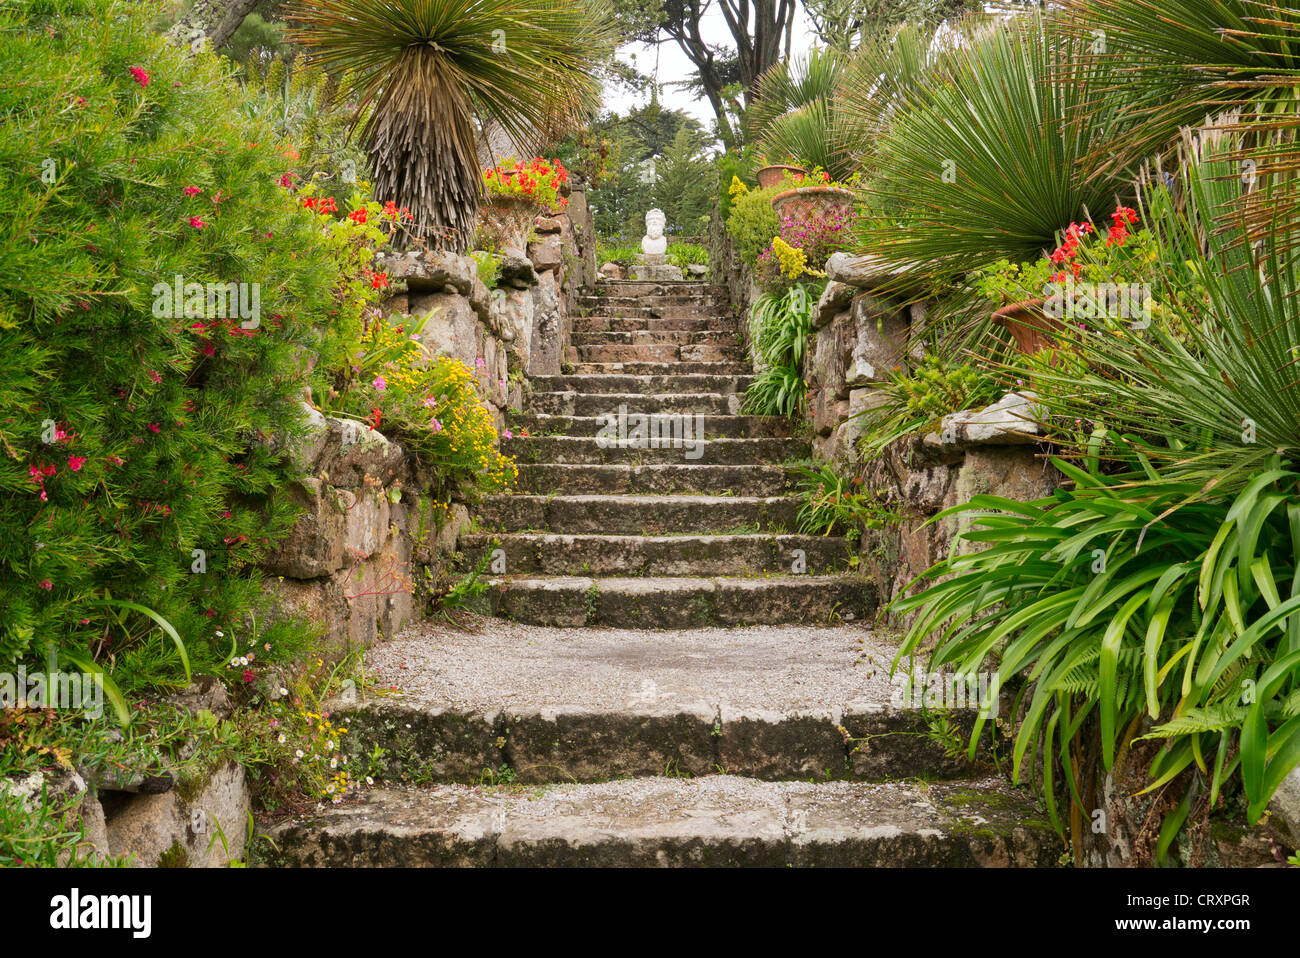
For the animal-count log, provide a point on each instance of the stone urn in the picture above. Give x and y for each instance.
(770, 176)
(504, 223)
(809, 202)
(1031, 328)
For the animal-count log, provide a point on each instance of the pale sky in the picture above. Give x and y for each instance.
(673, 65)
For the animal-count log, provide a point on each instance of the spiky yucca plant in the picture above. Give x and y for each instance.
(982, 153)
(433, 71)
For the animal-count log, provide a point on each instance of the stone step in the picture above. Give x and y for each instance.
(715, 821)
(750, 554)
(715, 427)
(679, 603)
(650, 287)
(667, 448)
(572, 403)
(648, 309)
(659, 353)
(641, 385)
(557, 705)
(680, 367)
(586, 479)
(619, 324)
(678, 337)
(638, 514)
(675, 297)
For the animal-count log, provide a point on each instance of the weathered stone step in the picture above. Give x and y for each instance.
(678, 366)
(678, 603)
(619, 324)
(573, 403)
(750, 554)
(641, 385)
(715, 427)
(556, 705)
(668, 446)
(715, 821)
(650, 287)
(657, 310)
(656, 338)
(658, 353)
(638, 514)
(676, 297)
(549, 478)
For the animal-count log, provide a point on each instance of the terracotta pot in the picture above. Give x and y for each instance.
(808, 202)
(770, 176)
(1029, 325)
(504, 222)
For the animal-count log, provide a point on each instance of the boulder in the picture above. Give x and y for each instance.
(1012, 420)
(612, 271)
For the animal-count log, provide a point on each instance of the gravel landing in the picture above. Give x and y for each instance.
(752, 671)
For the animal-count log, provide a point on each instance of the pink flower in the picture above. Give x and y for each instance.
(480, 363)
(47, 584)
(141, 77)
(75, 463)
(191, 191)
(508, 434)
(197, 223)
(153, 427)
(380, 384)
(248, 675)
(435, 425)
(155, 376)
(430, 402)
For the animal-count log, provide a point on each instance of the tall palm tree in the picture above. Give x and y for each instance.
(434, 71)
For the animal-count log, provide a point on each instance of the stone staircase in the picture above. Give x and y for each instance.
(676, 675)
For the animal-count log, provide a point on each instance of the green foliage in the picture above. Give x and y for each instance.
(780, 327)
(131, 439)
(306, 107)
(684, 186)
(434, 70)
(687, 254)
(734, 165)
(622, 255)
(993, 152)
(793, 116)
(488, 265)
(836, 505)
(1121, 599)
(753, 223)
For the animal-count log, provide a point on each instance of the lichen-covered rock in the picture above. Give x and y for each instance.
(881, 340)
(184, 827)
(1015, 419)
(835, 298)
(314, 547)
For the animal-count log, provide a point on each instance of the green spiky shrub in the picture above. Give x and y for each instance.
(780, 326)
(430, 71)
(129, 440)
(1155, 599)
(985, 156)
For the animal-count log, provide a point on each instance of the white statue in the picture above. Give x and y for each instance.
(654, 244)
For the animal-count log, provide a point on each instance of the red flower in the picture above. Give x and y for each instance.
(248, 675)
(191, 191)
(379, 280)
(358, 215)
(75, 463)
(141, 77)
(197, 223)
(47, 584)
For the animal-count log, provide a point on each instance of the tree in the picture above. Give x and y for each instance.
(686, 183)
(432, 68)
(760, 32)
(215, 20)
(843, 24)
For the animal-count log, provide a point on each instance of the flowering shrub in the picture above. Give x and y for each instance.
(752, 223)
(540, 181)
(432, 402)
(132, 464)
(1081, 256)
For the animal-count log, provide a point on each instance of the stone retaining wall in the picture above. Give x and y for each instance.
(861, 333)
(357, 560)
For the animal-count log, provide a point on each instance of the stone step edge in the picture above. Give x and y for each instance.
(718, 821)
(868, 740)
